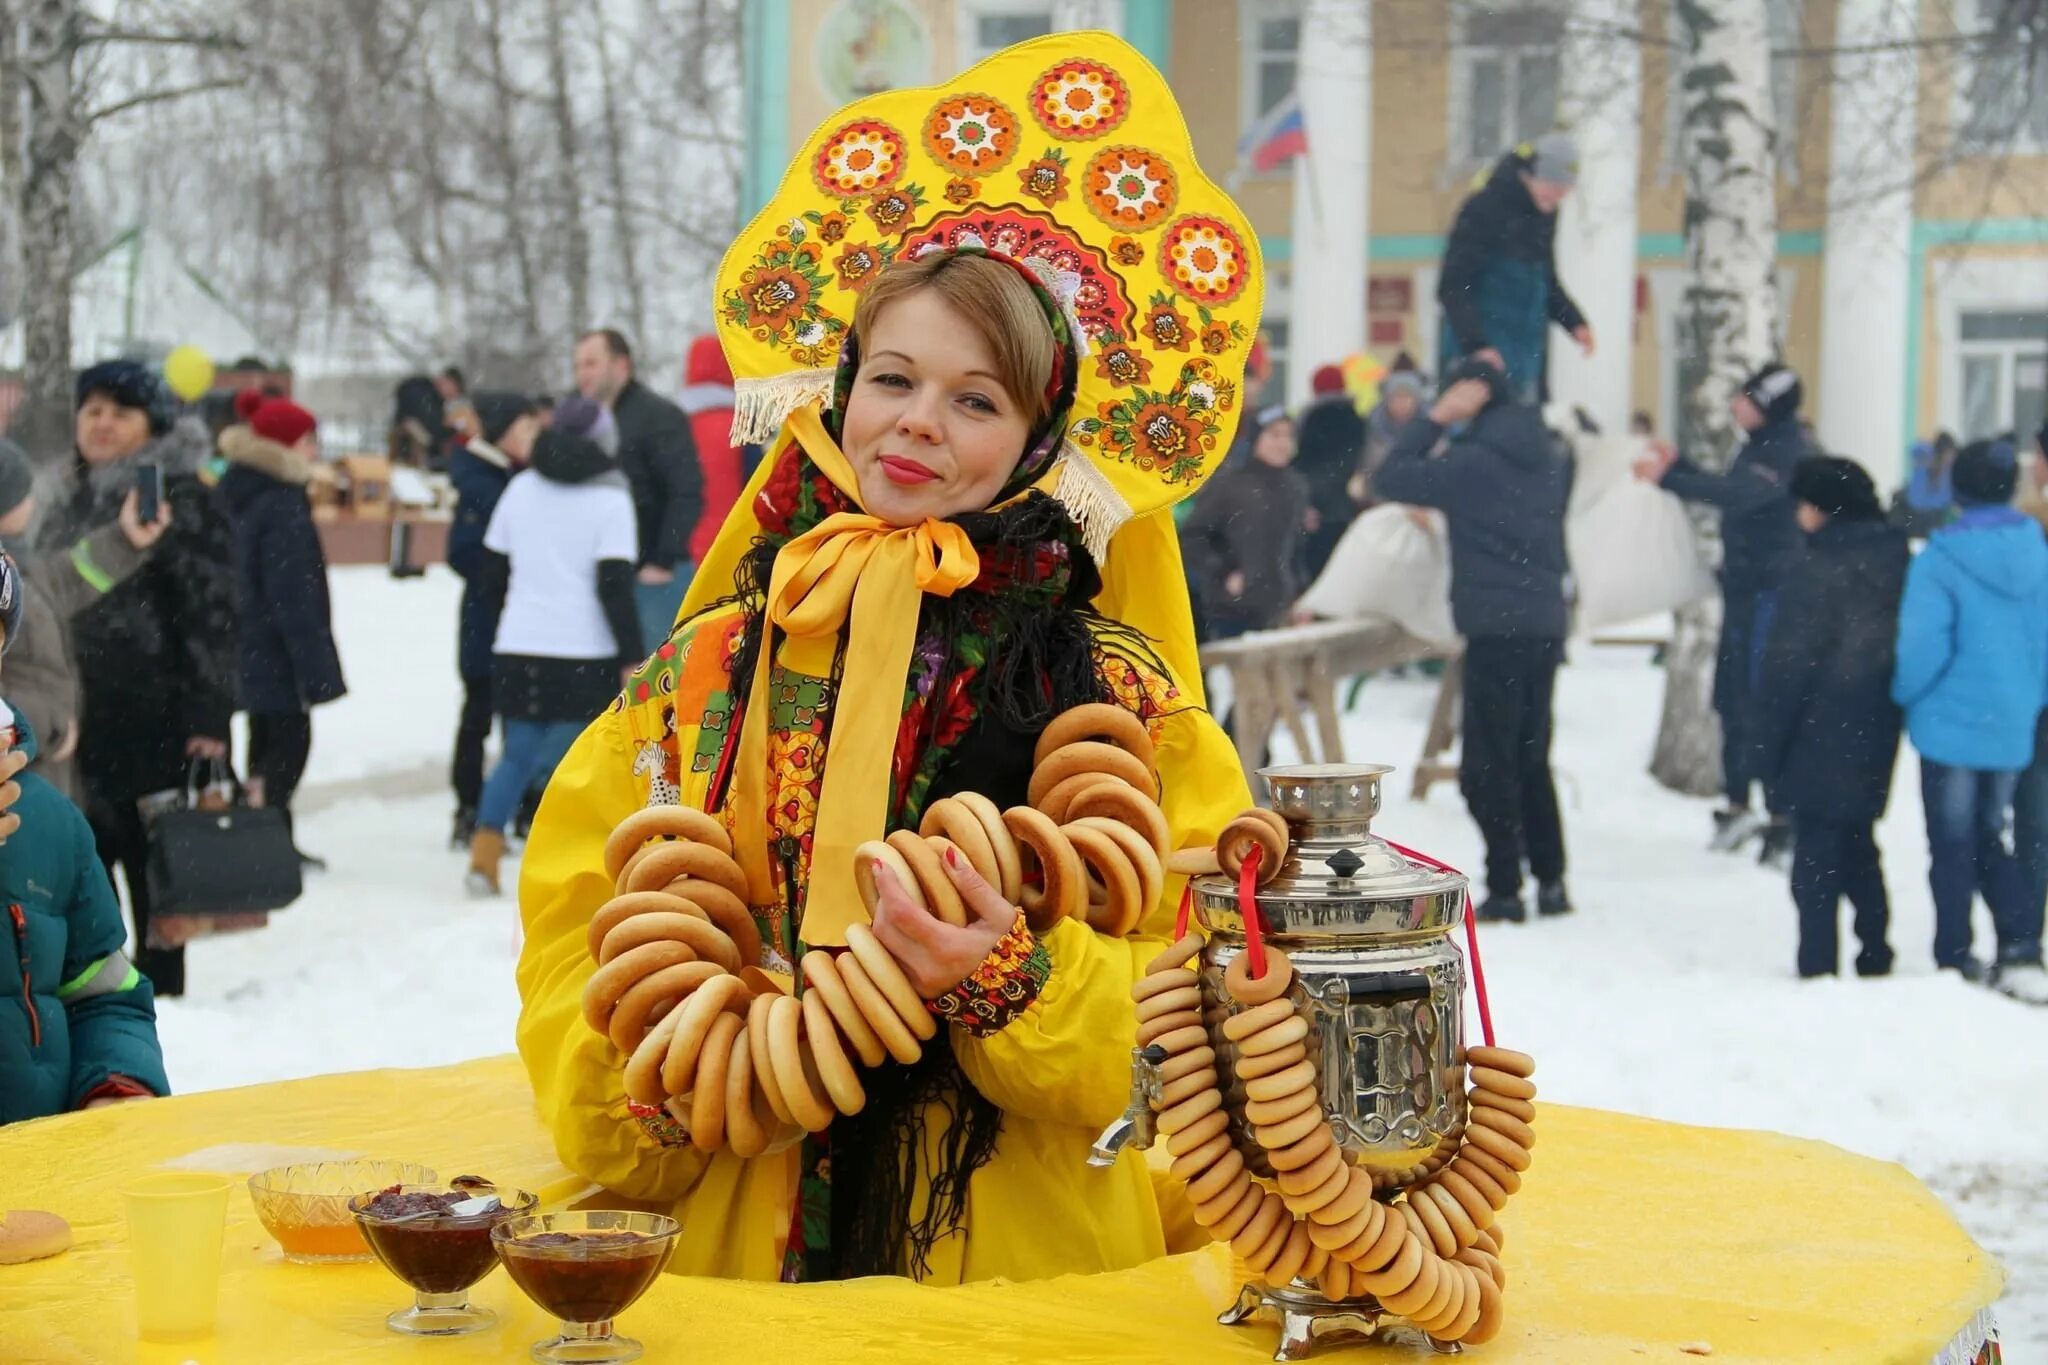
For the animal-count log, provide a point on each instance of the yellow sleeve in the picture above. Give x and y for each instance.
(1067, 1057)
(578, 1076)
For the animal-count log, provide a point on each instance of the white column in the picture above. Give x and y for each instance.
(1600, 99)
(1866, 277)
(1332, 190)
(1107, 15)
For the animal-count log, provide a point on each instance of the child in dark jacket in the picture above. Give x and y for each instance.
(82, 1032)
(289, 663)
(1827, 726)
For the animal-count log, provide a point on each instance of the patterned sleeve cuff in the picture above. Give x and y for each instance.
(1001, 988)
(663, 1127)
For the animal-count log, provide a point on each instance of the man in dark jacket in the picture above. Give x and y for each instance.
(157, 652)
(289, 663)
(1827, 727)
(508, 423)
(1502, 483)
(1760, 541)
(1499, 288)
(659, 460)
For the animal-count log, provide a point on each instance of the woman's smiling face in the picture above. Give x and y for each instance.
(929, 429)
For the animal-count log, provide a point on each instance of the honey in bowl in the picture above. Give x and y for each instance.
(305, 1206)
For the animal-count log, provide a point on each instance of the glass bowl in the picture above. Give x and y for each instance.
(586, 1268)
(305, 1207)
(440, 1255)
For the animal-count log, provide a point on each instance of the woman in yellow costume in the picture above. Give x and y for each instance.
(1039, 311)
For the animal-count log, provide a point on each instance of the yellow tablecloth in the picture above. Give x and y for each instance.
(1630, 1241)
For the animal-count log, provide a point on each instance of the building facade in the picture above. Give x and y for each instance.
(1912, 175)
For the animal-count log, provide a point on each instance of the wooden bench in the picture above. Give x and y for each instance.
(1290, 674)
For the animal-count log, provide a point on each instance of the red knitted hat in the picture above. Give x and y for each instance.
(282, 421)
(247, 401)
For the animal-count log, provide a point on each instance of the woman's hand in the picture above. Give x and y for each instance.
(1461, 402)
(935, 955)
(12, 761)
(1233, 583)
(143, 534)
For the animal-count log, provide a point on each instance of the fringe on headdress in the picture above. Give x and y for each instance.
(760, 406)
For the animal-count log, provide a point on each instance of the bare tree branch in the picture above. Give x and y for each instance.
(149, 97)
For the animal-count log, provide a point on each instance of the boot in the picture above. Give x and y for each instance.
(486, 847)
(1502, 910)
(1734, 827)
(465, 826)
(1553, 899)
(1776, 853)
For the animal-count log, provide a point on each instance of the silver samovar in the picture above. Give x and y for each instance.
(1368, 931)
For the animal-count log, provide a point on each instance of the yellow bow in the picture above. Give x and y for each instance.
(859, 570)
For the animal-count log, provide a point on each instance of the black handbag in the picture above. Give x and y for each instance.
(229, 859)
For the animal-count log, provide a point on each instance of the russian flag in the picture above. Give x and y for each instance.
(1276, 139)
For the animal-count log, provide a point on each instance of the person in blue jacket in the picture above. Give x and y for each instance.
(507, 424)
(81, 1029)
(1972, 675)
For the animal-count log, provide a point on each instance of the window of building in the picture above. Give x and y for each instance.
(2004, 85)
(1788, 39)
(1269, 48)
(989, 26)
(2002, 359)
(1504, 73)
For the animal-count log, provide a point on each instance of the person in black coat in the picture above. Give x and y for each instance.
(658, 456)
(1827, 728)
(1502, 484)
(1760, 542)
(289, 663)
(156, 652)
(1241, 542)
(1332, 439)
(508, 424)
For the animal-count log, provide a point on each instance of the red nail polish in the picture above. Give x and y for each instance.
(952, 857)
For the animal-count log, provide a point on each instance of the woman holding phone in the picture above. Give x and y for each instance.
(156, 652)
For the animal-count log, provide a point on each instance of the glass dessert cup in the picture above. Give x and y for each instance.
(305, 1207)
(586, 1269)
(437, 1239)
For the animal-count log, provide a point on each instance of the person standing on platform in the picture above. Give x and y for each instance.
(659, 460)
(1499, 288)
(1760, 540)
(1827, 727)
(1502, 483)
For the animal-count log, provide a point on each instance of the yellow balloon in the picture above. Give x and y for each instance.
(189, 372)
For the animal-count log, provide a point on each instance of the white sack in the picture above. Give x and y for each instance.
(1386, 567)
(1633, 555)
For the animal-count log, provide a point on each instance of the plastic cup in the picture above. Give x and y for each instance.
(175, 1222)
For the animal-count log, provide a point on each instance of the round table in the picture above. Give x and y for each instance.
(1632, 1241)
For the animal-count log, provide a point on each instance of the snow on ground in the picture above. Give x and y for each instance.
(1670, 992)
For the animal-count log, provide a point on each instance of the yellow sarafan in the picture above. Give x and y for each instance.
(1080, 165)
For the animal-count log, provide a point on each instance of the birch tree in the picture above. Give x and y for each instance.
(1730, 319)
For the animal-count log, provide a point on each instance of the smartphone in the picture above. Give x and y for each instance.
(149, 492)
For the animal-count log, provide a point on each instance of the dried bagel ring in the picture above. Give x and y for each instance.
(1478, 1208)
(1499, 1146)
(1187, 1063)
(661, 822)
(1378, 1258)
(1293, 1256)
(707, 1099)
(1057, 805)
(1123, 903)
(1176, 954)
(1300, 1076)
(1501, 1083)
(1400, 1272)
(1096, 720)
(1184, 1114)
(1009, 861)
(876, 1009)
(1257, 1019)
(1236, 841)
(1138, 852)
(1486, 1263)
(1127, 806)
(1502, 1174)
(747, 1131)
(609, 983)
(822, 971)
(1335, 1281)
(952, 821)
(1464, 1228)
(1462, 1321)
(1487, 1325)
(1448, 1299)
(643, 1068)
(668, 986)
(1170, 1002)
(659, 864)
(1271, 1113)
(1332, 1236)
(876, 851)
(1187, 1168)
(1249, 1201)
(1507, 1125)
(1160, 1026)
(1155, 983)
(621, 908)
(759, 1012)
(1177, 1041)
(1486, 1099)
(1283, 1135)
(939, 893)
(1502, 1059)
(655, 926)
(1251, 1068)
(1089, 756)
(1305, 1150)
(1273, 1039)
(1376, 1216)
(1214, 1180)
(703, 938)
(1197, 1133)
(725, 910)
(1258, 1257)
(1441, 1238)
(890, 980)
(1063, 893)
(1419, 1291)
(1247, 989)
(1269, 1214)
(1304, 1181)
(1485, 1185)
(1357, 1193)
(785, 1026)
(834, 1067)
(720, 995)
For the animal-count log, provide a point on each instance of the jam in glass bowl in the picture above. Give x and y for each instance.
(437, 1238)
(586, 1268)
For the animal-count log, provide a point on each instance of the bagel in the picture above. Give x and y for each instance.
(1281, 1035)
(621, 908)
(1293, 1256)
(1441, 1238)
(785, 1024)
(1170, 1002)
(1138, 850)
(1468, 1316)
(822, 971)
(876, 851)
(653, 926)
(1247, 989)
(828, 1054)
(1237, 839)
(1379, 1256)
(881, 1016)
(759, 1011)
(939, 894)
(660, 864)
(1127, 806)
(1242, 1025)
(1197, 1133)
(747, 1131)
(1155, 983)
(643, 1068)
(1109, 866)
(1507, 1177)
(1487, 1187)
(661, 822)
(1170, 1026)
(1309, 1147)
(1411, 1298)
(891, 982)
(1089, 756)
(1058, 804)
(707, 1101)
(609, 983)
(665, 987)
(1502, 1059)
(1507, 1125)
(1186, 1168)
(1260, 1240)
(1486, 1326)
(1273, 1113)
(1193, 862)
(1502, 1083)
(1499, 1146)
(1335, 1281)
(693, 1026)
(700, 936)
(1305, 1199)
(1448, 1298)
(1009, 861)
(1100, 721)
(1179, 1040)
(1471, 1198)
(1251, 1068)
(1187, 1063)
(1486, 1099)
(1063, 892)
(1300, 1076)
(1221, 1174)
(1464, 1230)
(1186, 1087)
(725, 910)
(1177, 954)
(1249, 1201)
(1399, 1271)
(949, 819)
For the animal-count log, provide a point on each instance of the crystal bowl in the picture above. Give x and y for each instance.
(305, 1207)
